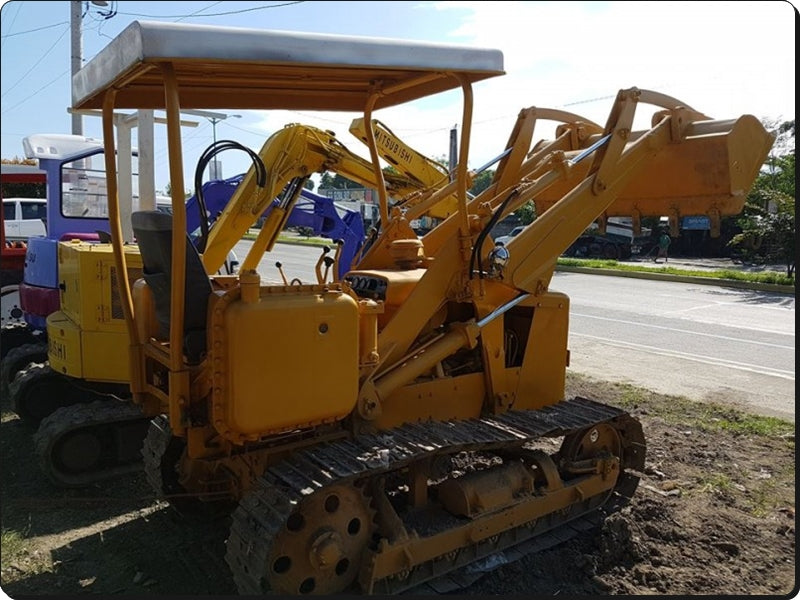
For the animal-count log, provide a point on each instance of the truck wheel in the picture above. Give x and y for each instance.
(610, 251)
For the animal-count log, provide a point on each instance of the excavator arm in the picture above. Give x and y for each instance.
(410, 163)
(291, 154)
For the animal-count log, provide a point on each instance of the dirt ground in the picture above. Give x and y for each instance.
(714, 514)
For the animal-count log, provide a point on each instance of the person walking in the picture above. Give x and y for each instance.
(663, 247)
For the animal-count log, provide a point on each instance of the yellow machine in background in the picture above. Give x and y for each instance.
(87, 336)
(429, 173)
(376, 433)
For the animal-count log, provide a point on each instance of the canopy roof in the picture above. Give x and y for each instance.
(236, 68)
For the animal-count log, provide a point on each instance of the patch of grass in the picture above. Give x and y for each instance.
(707, 416)
(764, 277)
(12, 545)
(752, 424)
(716, 483)
(677, 410)
(764, 498)
(306, 241)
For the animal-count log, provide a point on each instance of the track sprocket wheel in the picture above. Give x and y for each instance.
(320, 547)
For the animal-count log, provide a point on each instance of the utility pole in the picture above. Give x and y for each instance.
(76, 54)
(453, 159)
(76, 13)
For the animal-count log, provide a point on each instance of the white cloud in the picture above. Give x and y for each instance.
(724, 59)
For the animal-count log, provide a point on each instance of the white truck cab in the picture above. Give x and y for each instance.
(24, 218)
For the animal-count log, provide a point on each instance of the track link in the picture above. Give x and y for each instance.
(17, 360)
(17, 333)
(85, 443)
(38, 390)
(161, 453)
(264, 513)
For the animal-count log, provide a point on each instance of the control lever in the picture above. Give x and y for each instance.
(322, 260)
(280, 270)
(329, 262)
(336, 256)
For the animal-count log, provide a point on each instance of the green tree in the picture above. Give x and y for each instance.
(481, 182)
(337, 182)
(23, 190)
(168, 191)
(526, 213)
(767, 223)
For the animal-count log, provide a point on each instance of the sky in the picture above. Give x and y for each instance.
(725, 59)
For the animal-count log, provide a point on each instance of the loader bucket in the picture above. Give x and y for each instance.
(709, 172)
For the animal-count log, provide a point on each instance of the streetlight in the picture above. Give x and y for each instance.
(216, 119)
(215, 165)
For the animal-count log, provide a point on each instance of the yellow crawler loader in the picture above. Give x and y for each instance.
(383, 431)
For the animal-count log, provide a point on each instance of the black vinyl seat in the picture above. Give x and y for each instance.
(153, 232)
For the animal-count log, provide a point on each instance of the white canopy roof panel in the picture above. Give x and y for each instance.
(236, 68)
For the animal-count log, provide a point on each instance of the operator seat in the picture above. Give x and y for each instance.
(153, 232)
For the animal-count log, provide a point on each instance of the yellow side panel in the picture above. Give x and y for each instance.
(69, 278)
(93, 355)
(543, 370)
(89, 289)
(291, 361)
(105, 356)
(64, 345)
(440, 400)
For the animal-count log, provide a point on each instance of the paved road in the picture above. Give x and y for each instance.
(704, 342)
(712, 343)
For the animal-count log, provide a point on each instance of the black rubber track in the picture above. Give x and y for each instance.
(263, 513)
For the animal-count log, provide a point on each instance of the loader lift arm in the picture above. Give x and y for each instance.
(611, 170)
(664, 170)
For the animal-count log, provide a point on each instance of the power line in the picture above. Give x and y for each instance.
(47, 85)
(197, 12)
(14, 85)
(14, 20)
(8, 35)
(219, 14)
